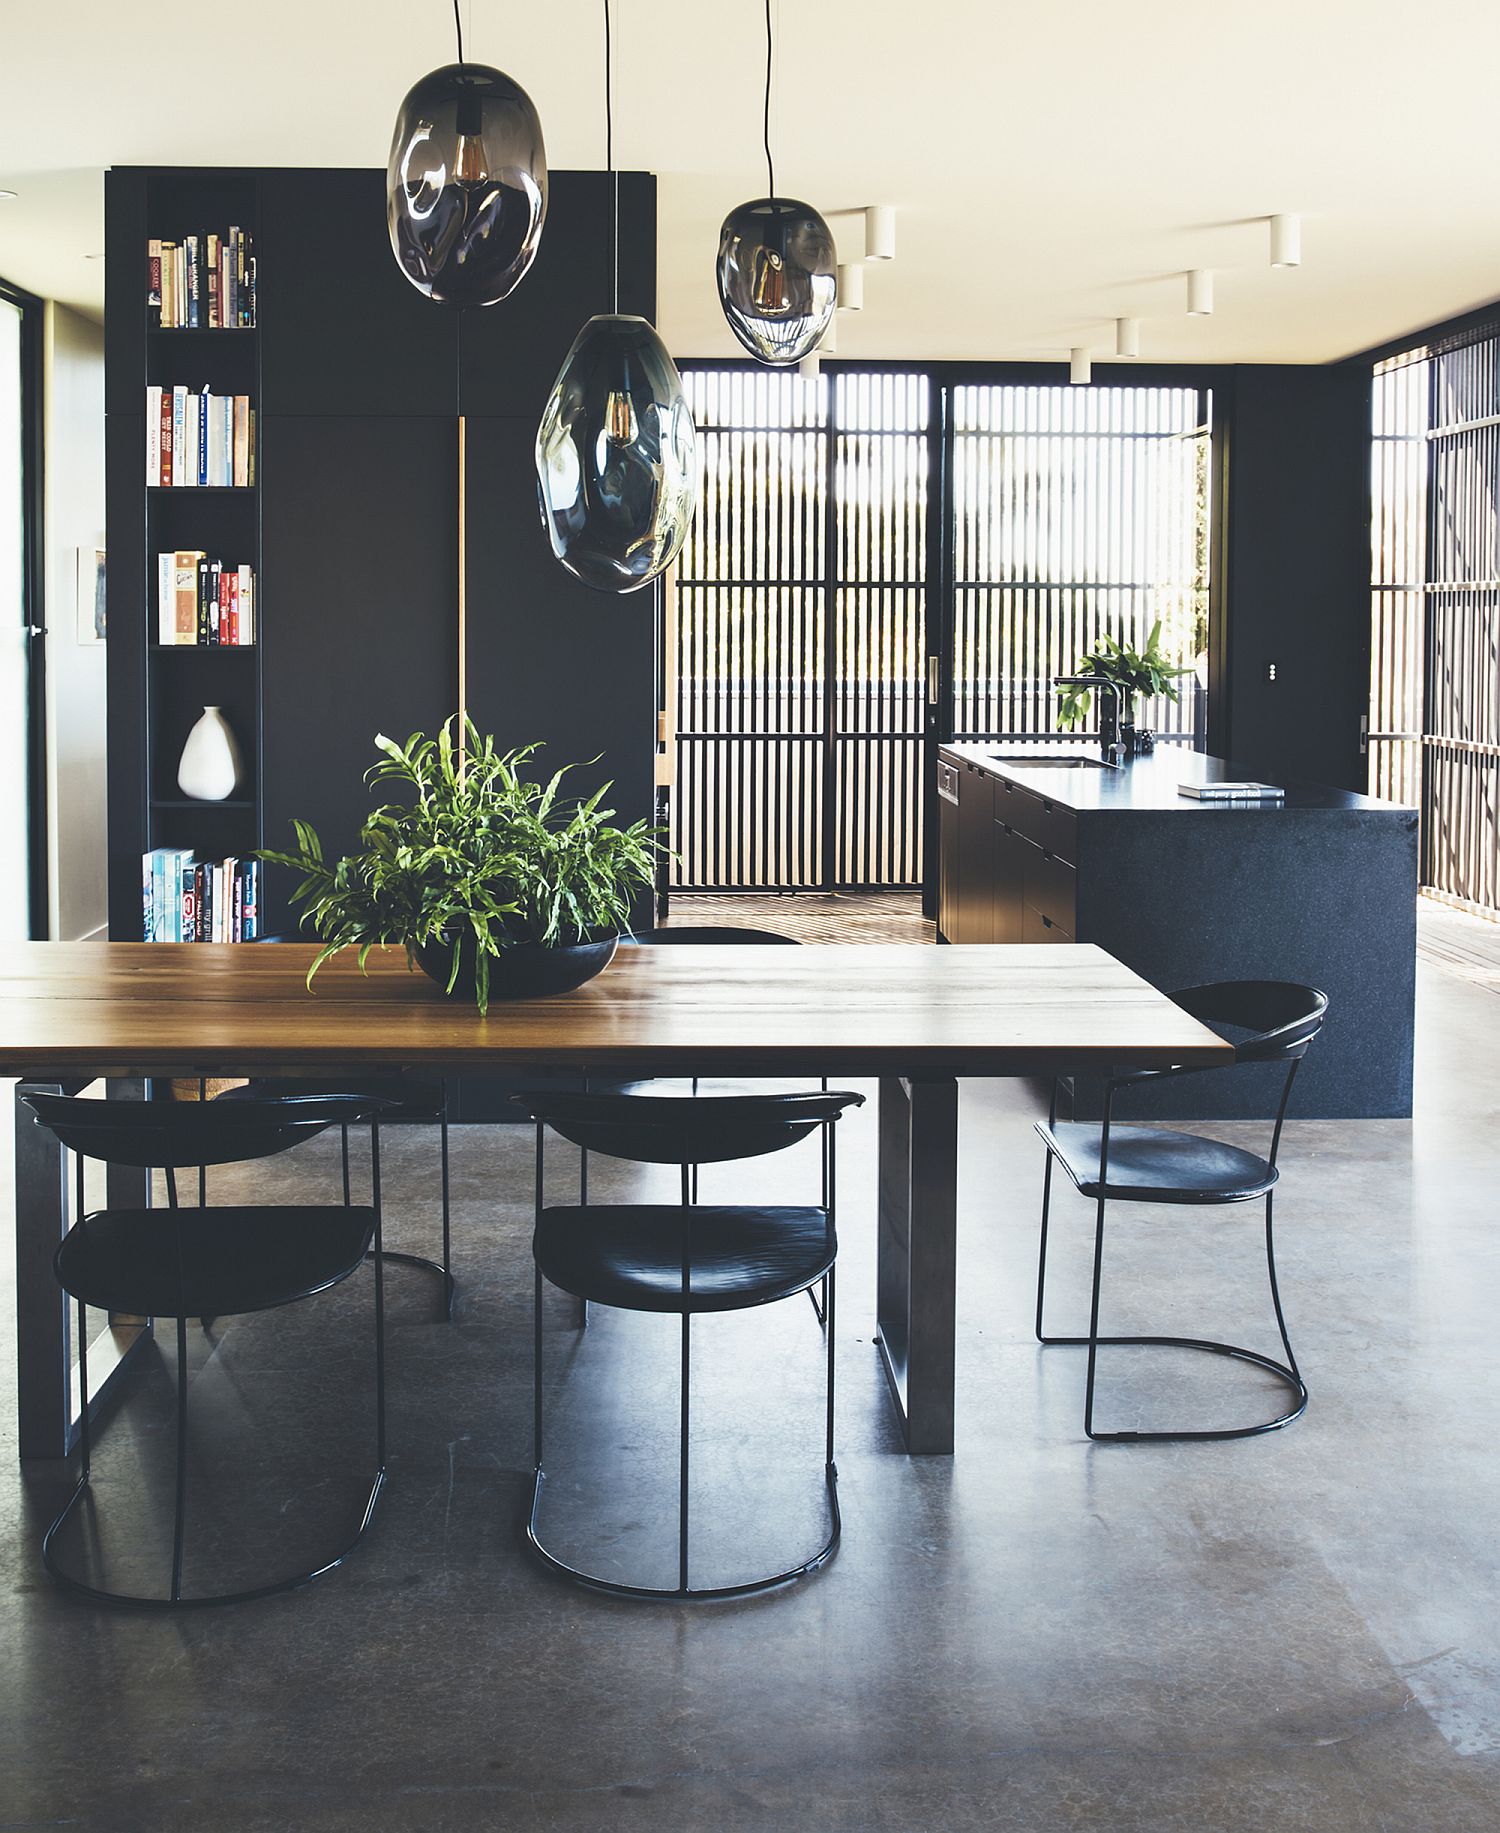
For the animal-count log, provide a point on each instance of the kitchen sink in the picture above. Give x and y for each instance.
(1031, 761)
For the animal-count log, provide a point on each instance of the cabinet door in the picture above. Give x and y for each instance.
(948, 845)
(976, 871)
(1009, 881)
(358, 618)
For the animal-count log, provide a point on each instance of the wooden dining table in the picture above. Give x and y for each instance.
(916, 1017)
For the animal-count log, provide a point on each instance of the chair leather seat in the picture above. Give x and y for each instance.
(631, 1255)
(234, 1258)
(1149, 1165)
(416, 1099)
(719, 1086)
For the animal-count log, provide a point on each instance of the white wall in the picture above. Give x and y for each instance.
(73, 368)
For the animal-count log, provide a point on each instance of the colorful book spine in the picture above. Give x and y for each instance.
(153, 435)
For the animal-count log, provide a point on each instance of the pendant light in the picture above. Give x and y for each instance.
(466, 183)
(616, 451)
(777, 263)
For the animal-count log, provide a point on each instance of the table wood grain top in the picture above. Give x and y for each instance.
(135, 1008)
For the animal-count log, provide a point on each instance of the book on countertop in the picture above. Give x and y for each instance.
(1232, 792)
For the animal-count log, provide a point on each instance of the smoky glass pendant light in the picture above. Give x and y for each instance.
(777, 271)
(616, 450)
(466, 183)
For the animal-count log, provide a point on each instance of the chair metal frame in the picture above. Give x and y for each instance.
(684, 1591)
(1287, 1043)
(174, 1599)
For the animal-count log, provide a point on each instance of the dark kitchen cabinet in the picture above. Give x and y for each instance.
(976, 865)
(947, 912)
(1008, 855)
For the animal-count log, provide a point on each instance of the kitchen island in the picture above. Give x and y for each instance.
(1047, 844)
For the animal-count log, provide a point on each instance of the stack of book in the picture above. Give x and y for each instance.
(210, 603)
(195, 437)
(203, 282)
(187, 900)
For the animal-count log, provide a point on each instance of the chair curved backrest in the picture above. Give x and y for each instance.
(661, 1130)
(694, 933)
(161, 1135)
(1274, 1021)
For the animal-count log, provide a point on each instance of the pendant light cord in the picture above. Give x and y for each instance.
(458, 26)
(770, 168)
(609, 161)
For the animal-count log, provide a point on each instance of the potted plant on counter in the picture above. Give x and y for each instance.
(496, 885)
(1146, 671)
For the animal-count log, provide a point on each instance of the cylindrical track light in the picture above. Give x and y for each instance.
(1080, 364)
(851, 286)
(1127, 337)
(1200, 292)
(1286, 241)
(880, 232)
(828, 343)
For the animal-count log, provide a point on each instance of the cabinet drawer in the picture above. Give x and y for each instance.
(1038, 928)
(1051, 888)
(1040, 819)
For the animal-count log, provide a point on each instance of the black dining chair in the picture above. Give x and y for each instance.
(688, 935)
(1268, 1021)
(685, 1258)
(183, 1261)
(407, 1098)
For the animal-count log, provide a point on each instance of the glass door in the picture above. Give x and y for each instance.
(18, 824)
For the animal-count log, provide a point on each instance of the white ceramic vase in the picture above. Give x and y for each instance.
(209, 769)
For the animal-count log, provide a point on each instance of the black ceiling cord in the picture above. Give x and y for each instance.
(609, 160)
(458, 26)
(770, 169)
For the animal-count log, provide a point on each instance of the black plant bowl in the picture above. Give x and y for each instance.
(525, 970)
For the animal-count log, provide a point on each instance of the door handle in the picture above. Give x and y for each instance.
(932, 680)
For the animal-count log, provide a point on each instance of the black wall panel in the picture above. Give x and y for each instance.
(342, 331)
(359, 584)
(549, 658)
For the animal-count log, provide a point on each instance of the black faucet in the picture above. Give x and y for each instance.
(1111, 749)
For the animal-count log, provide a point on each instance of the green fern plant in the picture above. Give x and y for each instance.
(476, 854)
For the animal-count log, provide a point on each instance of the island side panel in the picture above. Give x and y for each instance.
(1322, 896)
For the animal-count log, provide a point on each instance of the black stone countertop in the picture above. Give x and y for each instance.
(1149, 784)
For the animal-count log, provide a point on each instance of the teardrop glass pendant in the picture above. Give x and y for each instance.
(777, 278)
(617, 456)
(466, 185)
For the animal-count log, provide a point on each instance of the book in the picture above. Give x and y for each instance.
(179, 436)
(240, 473)
(166, 599)
(192, 456)
(153, 435)
(246, 629)
(1232, 792)
(185, 588)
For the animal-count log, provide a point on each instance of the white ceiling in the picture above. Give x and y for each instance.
(1054, 165)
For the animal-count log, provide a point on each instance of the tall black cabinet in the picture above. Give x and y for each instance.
(357, 383)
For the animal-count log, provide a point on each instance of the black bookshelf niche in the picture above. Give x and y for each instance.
(351, 525)
(158, 691)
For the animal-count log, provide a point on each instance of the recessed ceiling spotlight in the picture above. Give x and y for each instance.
(1127, 337)
(1200, 292)
(1286, 241)
(7, 196)
(98, 257)
(1080, 364)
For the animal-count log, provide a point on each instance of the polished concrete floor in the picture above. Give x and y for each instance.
(1295, 1632)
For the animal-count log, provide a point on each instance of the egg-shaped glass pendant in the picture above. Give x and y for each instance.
(466, 185)
(617, 456)
(777, 278)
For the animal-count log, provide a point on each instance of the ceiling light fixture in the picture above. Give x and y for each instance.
(1200, 292)
(880, 232)
(1127, 337)
(8, 196)
(851, 286)
(776, 265)
(1286, 241)
(466, 183)
(616, 451)
(1080, 364)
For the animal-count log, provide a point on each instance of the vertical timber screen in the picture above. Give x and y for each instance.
(1076, 512)
(1435, 608)
(801, 634)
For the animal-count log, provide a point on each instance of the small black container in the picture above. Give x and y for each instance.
(525, 970)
